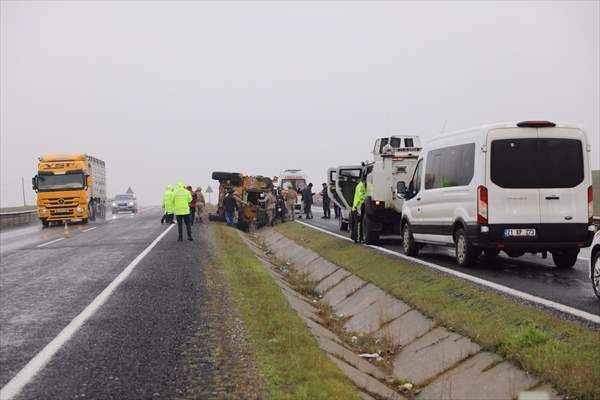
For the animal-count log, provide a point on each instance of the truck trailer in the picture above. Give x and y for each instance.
(70, 188)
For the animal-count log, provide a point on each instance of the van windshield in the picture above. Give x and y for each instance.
(536, 163)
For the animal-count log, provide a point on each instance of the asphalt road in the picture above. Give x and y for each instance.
(529, 273)
(131, 347)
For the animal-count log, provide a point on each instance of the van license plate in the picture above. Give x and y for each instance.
(519, 233)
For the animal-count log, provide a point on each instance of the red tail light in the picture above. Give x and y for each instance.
(590, 204)
(482, 205)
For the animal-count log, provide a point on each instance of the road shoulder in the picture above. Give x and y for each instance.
(291, 362)
(534, 340)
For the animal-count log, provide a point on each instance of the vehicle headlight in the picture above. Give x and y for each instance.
(131, 203)
(43, 210)
(79, 209)
(114, 204)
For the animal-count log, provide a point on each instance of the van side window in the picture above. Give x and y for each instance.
(450, 166)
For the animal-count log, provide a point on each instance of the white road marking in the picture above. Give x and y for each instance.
(37, 363)
(89, 229)
(50, 242)
(501, 288)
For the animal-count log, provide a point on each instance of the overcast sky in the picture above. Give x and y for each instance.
(173, 91)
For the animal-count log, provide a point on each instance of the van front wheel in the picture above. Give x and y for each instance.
(465, 252)
(566, 259)
(408, 242)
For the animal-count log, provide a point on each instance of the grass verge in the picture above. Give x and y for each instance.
(291, 362)
(561, 352)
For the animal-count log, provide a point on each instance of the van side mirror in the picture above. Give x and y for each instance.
(34, 183)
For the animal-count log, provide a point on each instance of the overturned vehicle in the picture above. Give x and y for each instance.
(250, 195)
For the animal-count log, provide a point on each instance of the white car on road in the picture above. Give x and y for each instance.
(595, 264)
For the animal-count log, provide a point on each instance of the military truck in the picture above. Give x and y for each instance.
(394, 161)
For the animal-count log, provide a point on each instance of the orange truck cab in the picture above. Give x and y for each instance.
(70, 188)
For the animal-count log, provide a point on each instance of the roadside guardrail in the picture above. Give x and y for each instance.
(16, 218)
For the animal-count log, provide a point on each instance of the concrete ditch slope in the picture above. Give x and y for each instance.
(440, 363)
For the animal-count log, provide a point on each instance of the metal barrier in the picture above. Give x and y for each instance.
(16, 218)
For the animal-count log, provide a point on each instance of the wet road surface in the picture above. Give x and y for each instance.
(132, 346)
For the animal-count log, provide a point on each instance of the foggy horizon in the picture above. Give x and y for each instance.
(168, 92)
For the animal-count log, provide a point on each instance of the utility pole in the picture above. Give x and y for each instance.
(23, 189)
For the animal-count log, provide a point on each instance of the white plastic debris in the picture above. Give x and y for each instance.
(373, 356)
(407, 386)
(354, 339)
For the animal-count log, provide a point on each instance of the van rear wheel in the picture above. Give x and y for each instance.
(595, 273)
(411, 248)
(566, 259)
(465, 252)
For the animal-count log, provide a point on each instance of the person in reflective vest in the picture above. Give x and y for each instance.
(167, 205)
(181, 202)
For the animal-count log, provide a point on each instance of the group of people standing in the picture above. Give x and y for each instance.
(327, 205)
(185, 205)
(307, 201)
(278, 204)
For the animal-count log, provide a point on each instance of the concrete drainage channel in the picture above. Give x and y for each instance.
(423, 359)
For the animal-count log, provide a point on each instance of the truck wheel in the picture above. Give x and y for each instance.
(409, 245)
(371, 236)
(595, 273)
(566, 259)
(45, 223)
(465, 252)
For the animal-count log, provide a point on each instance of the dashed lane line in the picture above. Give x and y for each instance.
(41, 359)
(89, 229)
(50, 242)
(501, 288)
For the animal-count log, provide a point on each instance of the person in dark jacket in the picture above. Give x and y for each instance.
(337, 211)
(307, 199)
(231, 206)
(192, 204)
(326, 203)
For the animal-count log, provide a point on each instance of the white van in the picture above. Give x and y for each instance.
(518, 187)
